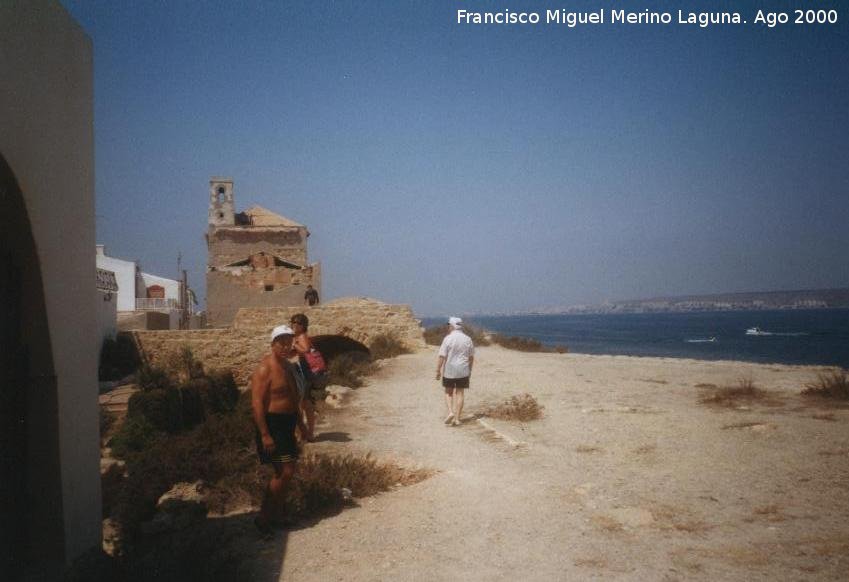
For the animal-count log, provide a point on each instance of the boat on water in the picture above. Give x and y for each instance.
(756, 331)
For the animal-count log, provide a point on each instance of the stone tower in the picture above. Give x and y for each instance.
(257, 258)
(221, 207)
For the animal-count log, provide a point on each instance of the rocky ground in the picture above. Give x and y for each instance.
(626, 477)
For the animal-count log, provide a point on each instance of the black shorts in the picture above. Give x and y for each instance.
(281, 427)
(450, 383)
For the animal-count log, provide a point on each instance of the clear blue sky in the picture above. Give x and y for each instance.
(479, 168)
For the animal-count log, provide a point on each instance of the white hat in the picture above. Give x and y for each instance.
(455, 322)
(281, 330)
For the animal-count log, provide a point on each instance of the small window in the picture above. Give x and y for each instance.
(221, 190)
(220, 215)
(269, 287)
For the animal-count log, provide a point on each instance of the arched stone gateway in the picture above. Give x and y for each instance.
(348, 324)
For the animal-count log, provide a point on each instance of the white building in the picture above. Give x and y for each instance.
(143, 296)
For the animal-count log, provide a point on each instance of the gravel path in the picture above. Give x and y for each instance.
(626, 477)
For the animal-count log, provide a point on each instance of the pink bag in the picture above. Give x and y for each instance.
(315, 361)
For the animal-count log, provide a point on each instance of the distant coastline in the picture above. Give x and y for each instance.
(749, 301)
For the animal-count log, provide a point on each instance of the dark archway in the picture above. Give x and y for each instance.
(332, 345)
(31, 532)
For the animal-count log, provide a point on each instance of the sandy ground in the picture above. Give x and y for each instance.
(626, 477)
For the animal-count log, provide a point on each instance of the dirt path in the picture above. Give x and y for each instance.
(625, 478)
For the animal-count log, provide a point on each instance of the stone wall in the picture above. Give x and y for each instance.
(357, 318)
(230, 244)
(132, 320)
(228, 292)
(241, 347)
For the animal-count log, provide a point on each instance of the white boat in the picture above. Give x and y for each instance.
(756, 331)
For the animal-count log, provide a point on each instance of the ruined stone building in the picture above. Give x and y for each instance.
(256, 258)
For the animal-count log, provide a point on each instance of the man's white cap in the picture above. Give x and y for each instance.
(455, 322)
(281, 330)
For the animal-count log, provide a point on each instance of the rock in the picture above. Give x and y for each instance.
(180, 507)
(336, 395)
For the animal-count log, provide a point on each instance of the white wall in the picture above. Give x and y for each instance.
(171, 286)
(125, 276)
(47, 138)
(107, 316)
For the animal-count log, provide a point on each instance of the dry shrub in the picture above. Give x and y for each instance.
(824, 416)
(435, 334)
(317, 487)
(586, 449)
(521, 344)
(731, 396)
(833, 385)
(349, 369)
(386, 346)
(607, 523)
(217, 449)
(523, 408)
(181, 365)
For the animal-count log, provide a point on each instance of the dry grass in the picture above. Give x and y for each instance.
(586, 449)
(645, 449)
(705, 385)
(738, 425)
(771, 512)
(745, 391)
(824, 416)
(667, 517)
(607, 523)
(591, 563)
(832, 385)
(654, 381)
(321, 478)
(349, 369)
(386, 346)
(522, 408)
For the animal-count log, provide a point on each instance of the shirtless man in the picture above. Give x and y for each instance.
(276, 410)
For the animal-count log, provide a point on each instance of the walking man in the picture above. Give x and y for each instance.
(276, 410)
(456, 358)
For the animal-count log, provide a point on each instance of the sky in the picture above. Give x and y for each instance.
(480, 168)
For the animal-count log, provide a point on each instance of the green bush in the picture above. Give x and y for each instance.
(220, 448)
(134, 436)
(386, 346)
(153, 378)
(221, 395)
(161, 408)
(107, 421)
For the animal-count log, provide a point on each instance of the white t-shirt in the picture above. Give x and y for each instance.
(457, 348)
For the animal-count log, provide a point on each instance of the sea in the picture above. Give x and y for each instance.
(808, 337)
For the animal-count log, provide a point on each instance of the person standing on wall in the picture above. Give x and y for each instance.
(454, 367)
(310, 296)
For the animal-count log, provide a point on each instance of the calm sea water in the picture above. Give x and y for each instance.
(793, 337)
